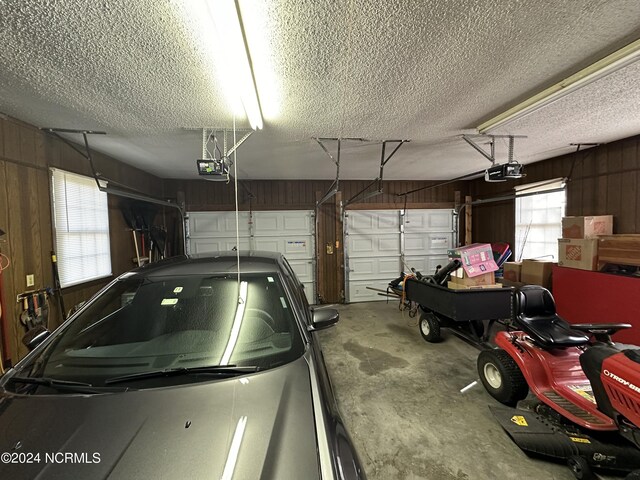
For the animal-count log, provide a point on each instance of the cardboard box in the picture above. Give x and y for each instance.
(578, 253)
(536, 272)
(587, 227)
(456, 286)
(512, 271)
(477, 258)
(460, 277)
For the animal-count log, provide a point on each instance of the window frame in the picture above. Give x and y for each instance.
(56, 243)
(545, 187)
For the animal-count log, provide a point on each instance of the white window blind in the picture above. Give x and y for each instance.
(539, 210)
(81, 228)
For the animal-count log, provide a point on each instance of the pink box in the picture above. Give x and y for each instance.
(477, 258)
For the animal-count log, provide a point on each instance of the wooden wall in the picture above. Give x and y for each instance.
(26, 154)
(603, 181)
(202, 195)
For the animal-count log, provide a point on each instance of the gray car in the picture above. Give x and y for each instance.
(181, 369)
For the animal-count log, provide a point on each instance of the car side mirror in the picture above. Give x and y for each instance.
(323, 318)
(35, 337)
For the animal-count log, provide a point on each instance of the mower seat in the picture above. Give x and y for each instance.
(535, 312)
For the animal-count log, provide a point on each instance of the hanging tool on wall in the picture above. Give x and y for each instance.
(57, 288)
(35, 308)
(139, 217)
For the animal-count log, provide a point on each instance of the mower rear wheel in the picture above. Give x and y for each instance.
(501, 377)
(580, 468)
(635, 475)
(430, 327)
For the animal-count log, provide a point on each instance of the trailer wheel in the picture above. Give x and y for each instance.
(430, 327)
(501, 377)
(580, 468)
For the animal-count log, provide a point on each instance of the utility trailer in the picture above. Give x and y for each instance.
(469, 314)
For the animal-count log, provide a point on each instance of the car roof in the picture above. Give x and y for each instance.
(213, 263)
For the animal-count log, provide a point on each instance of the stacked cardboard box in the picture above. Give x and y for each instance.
(512, 271)
(578, 247)
(536, 272)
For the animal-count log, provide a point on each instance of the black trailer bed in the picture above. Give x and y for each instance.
(461, 305)
(469, 314)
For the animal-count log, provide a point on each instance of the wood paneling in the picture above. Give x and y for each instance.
(603, 181)
(25, 214)
(201, 195)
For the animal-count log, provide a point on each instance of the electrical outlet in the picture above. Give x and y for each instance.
(31, 280)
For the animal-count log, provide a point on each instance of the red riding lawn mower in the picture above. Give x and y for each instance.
(588, 389)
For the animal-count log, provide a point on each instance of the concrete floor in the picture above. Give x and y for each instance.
(400, 399)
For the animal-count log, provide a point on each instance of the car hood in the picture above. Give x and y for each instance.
(174, 432)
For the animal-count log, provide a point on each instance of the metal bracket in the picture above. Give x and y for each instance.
(98, 176)
(210, 134)
(491, 156)
(333, 189)
(87, 154)
(580, 145)
(361, 195)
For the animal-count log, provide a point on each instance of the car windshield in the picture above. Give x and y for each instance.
(143, 324)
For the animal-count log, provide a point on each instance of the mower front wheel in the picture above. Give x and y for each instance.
(580, 468)
(501, 377)
(430, 327)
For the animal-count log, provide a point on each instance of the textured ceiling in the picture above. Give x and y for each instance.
(422, 70)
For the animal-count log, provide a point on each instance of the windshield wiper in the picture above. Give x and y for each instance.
(217, 370)
(58, 384)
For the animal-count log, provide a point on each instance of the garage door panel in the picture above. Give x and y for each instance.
(373, 221)
(427, 243)
(378, 245)
(375, 241)
(297, 223)
(222, 224)
(208, 245)
(287, 232)
(374, 268)
(428, 220)
(293, 222)
(358, 291)
(290, 247)
(426, 264)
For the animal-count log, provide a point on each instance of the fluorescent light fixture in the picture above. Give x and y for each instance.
(609, 64)
(234, 450)
(237, 323)
(233, 46)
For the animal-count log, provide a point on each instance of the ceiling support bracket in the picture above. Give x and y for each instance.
(491, 155)
(362, 194)
(333, 189)
(103, 183)
(220, 158)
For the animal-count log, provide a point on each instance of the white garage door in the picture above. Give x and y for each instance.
(378, 241)
(290, 232)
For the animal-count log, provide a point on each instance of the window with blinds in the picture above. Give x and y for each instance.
(81, 228)
(539, 210)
